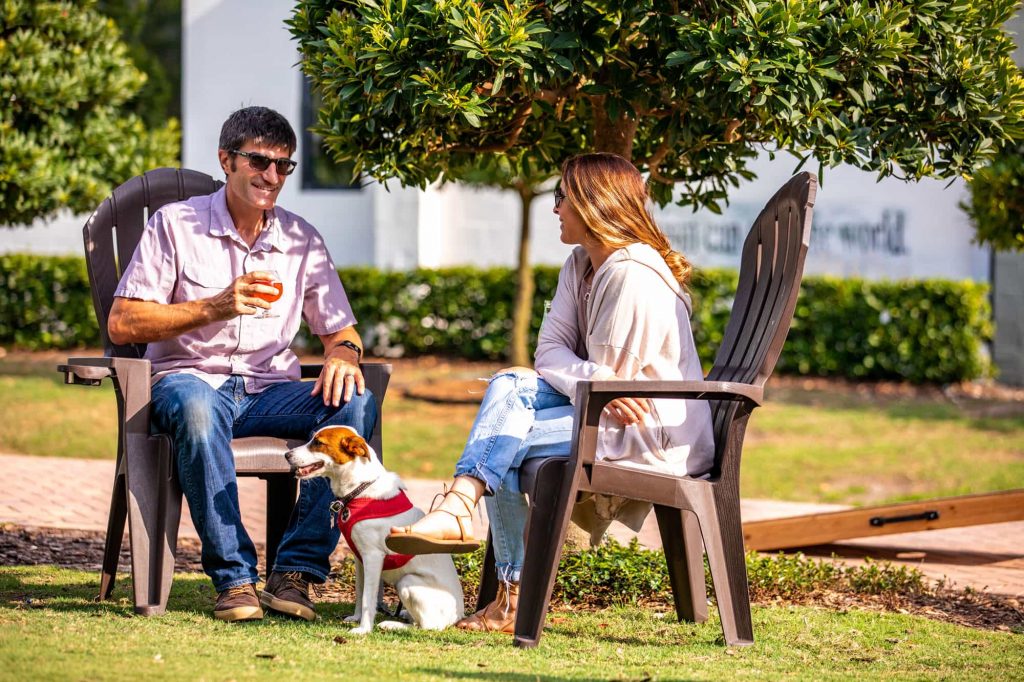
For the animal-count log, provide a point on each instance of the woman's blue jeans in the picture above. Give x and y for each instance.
(202, 421)
(521, 417)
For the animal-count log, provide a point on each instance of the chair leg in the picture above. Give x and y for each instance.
(282, 489)
(154, 511)
(681, 540)
(115, 531)
(723, 538)
(552, 500)
(488, 591)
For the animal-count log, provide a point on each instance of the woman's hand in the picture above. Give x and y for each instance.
(629, 411)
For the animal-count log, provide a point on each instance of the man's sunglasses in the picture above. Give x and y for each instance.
(261, 162)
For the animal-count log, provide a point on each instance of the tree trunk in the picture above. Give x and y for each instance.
(523, 308)
(610, 135)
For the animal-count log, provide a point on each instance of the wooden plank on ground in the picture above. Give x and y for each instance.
(819, 529)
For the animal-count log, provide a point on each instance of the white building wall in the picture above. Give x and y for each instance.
(239, 53)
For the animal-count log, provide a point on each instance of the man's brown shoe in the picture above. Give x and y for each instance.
(288, 593)
(238, 603)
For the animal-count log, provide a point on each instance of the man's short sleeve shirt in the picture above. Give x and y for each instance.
(191, 250)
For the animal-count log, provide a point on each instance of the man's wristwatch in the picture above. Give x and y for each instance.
(348, 344)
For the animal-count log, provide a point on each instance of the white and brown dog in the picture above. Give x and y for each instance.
(370, 501)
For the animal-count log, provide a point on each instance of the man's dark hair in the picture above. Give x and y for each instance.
(257, 124)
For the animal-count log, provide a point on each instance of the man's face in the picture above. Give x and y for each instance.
(248, 187)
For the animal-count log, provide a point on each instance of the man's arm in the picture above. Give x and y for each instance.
(341, 374)
(136, 321)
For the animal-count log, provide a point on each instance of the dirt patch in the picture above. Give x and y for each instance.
(83, 550)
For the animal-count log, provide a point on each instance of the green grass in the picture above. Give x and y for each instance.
(803, 445)
(51, 629)
(874, 453)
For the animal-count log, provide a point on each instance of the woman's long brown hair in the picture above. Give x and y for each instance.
(611, 197)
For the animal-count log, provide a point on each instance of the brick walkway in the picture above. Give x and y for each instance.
(48, 492)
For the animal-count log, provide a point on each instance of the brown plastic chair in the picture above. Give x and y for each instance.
(692, 513)
(146, 489)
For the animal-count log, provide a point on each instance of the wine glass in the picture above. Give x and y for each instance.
(274, 281)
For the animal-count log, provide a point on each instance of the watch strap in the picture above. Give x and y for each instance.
(348, 344)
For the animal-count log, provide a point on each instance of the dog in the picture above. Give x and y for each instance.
(370, 501)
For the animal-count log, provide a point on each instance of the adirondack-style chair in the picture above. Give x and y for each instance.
(693, 514)
(146, 490)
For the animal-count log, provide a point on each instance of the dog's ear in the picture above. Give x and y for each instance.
(354, 446)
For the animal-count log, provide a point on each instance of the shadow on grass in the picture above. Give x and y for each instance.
(445, 673)
(73, 590)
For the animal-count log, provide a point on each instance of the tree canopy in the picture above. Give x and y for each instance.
(151, 30)
(997, 201)
(689, 91)
(66, 136)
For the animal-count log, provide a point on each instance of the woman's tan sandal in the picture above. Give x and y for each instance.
(406, 541)
(499, 615)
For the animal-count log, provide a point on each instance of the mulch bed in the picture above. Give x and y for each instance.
(83, 550)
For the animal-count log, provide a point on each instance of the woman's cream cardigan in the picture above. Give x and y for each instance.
(635, 324)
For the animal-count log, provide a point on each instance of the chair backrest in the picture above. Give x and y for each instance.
(113, 231)
(771, 267)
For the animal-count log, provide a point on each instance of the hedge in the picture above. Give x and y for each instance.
(917, 330)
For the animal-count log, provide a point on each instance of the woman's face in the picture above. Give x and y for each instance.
(574, 230)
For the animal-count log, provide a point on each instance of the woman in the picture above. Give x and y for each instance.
(620, 311)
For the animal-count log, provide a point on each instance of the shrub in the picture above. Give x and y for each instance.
(920, 331)
(45, 303)
(67, 137)
(614, 574)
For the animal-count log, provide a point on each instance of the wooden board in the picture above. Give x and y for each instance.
(819, 529)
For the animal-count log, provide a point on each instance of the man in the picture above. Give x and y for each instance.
(220, 371)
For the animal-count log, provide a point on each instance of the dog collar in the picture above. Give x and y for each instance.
(340, 507)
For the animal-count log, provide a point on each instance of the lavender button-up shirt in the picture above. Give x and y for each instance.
(191, 250)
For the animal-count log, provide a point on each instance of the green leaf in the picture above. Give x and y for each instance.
(562, 62)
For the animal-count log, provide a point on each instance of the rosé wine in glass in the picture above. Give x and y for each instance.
(274, 281)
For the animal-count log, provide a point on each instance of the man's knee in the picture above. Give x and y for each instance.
(187, 408)
(360, 412)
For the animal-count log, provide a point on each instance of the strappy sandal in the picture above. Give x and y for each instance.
(499, 615)
(406, 541)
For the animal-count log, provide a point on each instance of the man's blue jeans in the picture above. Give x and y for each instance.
(202, 421)
(521, 417)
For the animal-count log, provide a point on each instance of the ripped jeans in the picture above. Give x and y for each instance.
(521, 417)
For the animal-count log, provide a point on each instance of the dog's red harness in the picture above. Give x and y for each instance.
(363, 508)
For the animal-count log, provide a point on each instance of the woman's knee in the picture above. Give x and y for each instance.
(511, 379)
(515, 370)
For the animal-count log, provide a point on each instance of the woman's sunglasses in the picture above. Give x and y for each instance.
(558, 197)
(261, 162)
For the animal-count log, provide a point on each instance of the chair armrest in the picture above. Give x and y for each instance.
(607, 391)
(310, 371)
(131, 377)
(87, 371)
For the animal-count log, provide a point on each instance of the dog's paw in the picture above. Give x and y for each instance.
(393, 625)
(354, 618)
(362, 630)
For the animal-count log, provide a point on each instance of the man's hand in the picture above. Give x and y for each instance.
(340, 376)
(629, 411)
(241, 297)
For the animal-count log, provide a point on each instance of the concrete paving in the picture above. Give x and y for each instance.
(49, 492)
